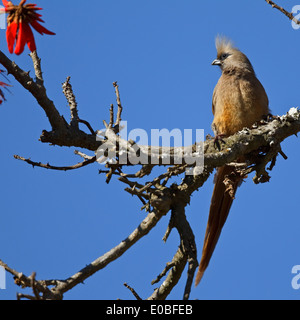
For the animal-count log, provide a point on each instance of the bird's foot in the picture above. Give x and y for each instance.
(270, 117)
(218, 139)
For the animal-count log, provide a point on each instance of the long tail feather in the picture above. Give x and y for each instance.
(226, 183)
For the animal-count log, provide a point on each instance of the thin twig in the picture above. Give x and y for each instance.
(136, 193)
(132, 190)
(169, 265)
(284, 156)
(25, 296)
(111, 117)
(48, 166)
(37, 68)
(288, 14)
(88, 126)
(83, 155)
(178, 264)
(133, 292)
(120, 108)
(69, 94)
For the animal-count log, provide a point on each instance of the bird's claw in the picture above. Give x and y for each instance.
(270, 117)
(218, 139)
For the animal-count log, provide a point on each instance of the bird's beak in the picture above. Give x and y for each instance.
(216, 62)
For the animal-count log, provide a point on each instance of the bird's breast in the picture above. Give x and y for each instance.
(238, 103)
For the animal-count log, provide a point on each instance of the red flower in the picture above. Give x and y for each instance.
(18, 25)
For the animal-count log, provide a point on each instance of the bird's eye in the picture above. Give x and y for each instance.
(224, 56)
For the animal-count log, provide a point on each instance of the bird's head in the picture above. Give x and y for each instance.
(229, 57)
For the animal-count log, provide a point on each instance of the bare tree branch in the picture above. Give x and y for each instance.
(288, 14)
(30, 282)
(35, 89)
(143, 229)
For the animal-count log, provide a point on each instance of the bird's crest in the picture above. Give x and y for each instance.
(223, 44)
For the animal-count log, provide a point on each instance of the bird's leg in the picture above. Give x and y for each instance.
(218, 139)
(270, 117)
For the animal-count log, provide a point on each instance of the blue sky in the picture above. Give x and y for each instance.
(160, 52)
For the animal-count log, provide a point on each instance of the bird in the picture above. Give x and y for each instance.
(239, 100)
